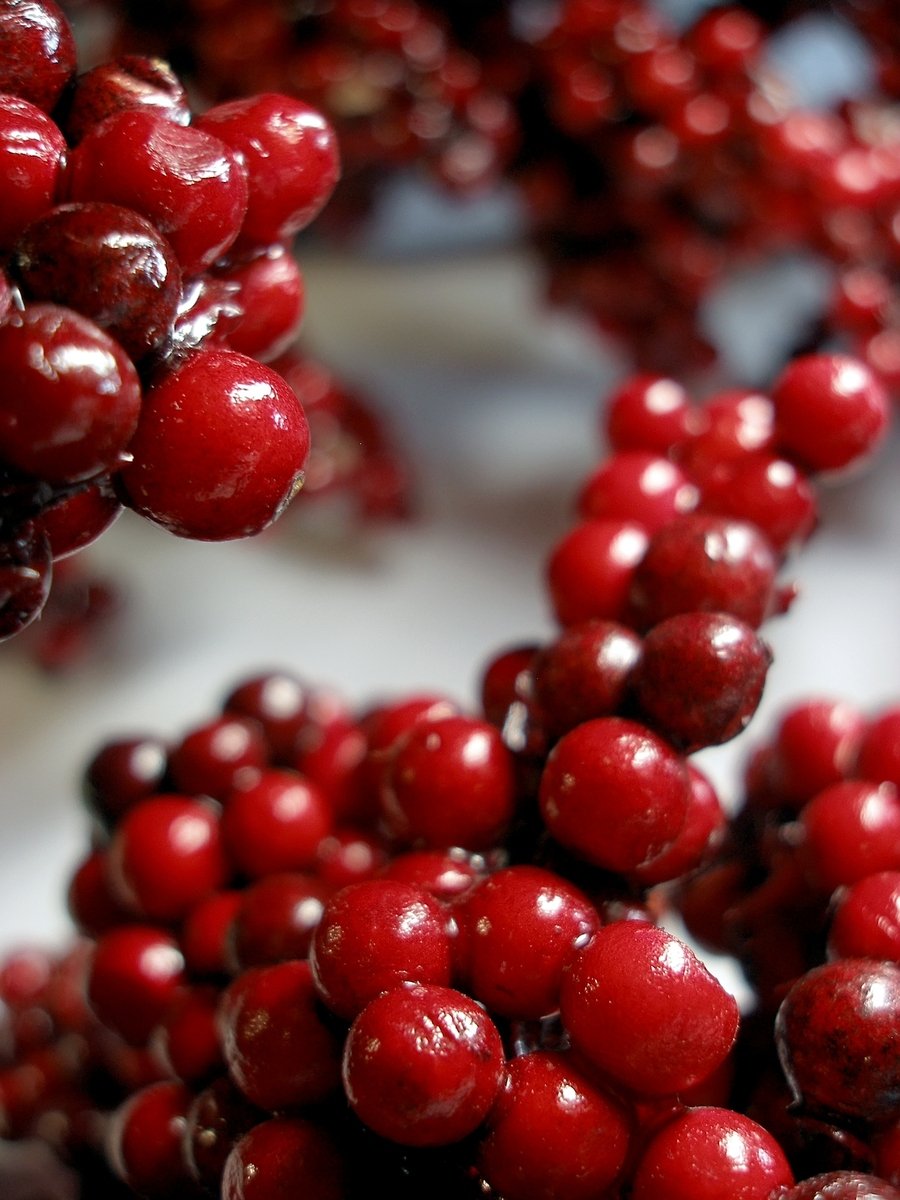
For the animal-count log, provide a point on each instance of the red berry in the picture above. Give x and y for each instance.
(254, 440)
(129, 81)
(553, 1132)
(204, 934)
(711, 1154)
(135, 973)
(635, 485)
(121, 773)
(187, 183)
(865, 918)
(32, 158)
(375, 936)
(72, 400)
(212, 758)
(291, 156)
(830, 411)
(26, 570)
(648, 413)
(423, 1065)
(144, 1142)
(590, 570)
(37, 51)
(270, 296)
(269, 1160)
(640, 1005)
(274, 920)
(614, 793)
(216, 1118)
(274, 821)
(850, 830)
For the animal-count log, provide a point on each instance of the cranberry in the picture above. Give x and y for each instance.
(839, 1185)
(831, 411)
(190, 185)
(878, 751)
(270, 296)
(278, 701)
(274, 920)
(216, 1118)
(815, 745)
(135, 973)
(165, 856)
(74, 417)
(278, 1050)
(553, 1132)
(274, 821)
(838, 1040)
(849, 830)
(614, 793)
(107, 262)
(711, 1154)
(590, 570)
(350, 856)
(121, 773)
(32, 157)
(449, 782)
(423, 1065)
(213, 757)
(205, 931)
(700, 678)
(769, 492)
(647, 488)
(78, 517)
(186, 1042)
(374, 936)
(144, 1141)
(702, 831)
(444, 874)
(291, 156)
(865, 921)
(129, 81)
(704, 563)
(268, 1161)
(255, 440)
(90, 900)
(37, 51)
(640, 1005)
(648, 413)
(519, 929)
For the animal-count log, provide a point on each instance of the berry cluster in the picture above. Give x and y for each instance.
(426, 949)
(146, 271)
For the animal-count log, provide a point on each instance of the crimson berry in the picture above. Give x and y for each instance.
(72, 399)
(700, 562)
(349, 856)
(205, 931)
(32, 158)
(291, 156)
(641, 1006)
(850, 830)
(187, 183)
(702, 831)
(274, 920)
(449, 782)
(121, 773)
(838, 1037)
(374, 936)
(830, 411)
(769, 492)
(444, 874)
(274, 821)
(589, 571)
(107, 262)
(129, 81)
(269, 1160)
(423, 1065)
(648, 413)
(277, 1048)
(26, 571)
(386, 724)
(711, 1154)
(878, 752)
(135, 973)
(636, 485)
(216, 1118)
(518, 931)
(614, 793)
(213, 757)
(37, 51)
(270, 296)
(865, 918)
(255, 441)
(78, 517)
(839, 1185)
(553, 1132)
(89, 898)
(165, 856)
(186, 1042)
(815, 745)
(700, 678)
(144, 1141)
(276, 700)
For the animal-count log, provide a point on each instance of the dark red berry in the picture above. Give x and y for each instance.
(274, 821)
(32, 159)
(274, 920)
(213, 757)
(135, 973)
(37, 51)
(267, 1162)
(129, 81)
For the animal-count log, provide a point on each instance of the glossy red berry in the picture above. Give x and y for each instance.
(375, 936)
(270, 296)
(267, 1162)
(878, 751)
(700, 678)
(122, 772)
(204, 934)
(703, 829)
(291, 157)
(640, 1006)
(865, 918)
(186, 1042)
(165, 856)
(518, 931)
(255, 443)
(449, 782)
(37, 51)
(32, 158)
(274, 821)
(648, 413)
(187, 183)
(849, 830)
(135, 973)
(274, 920)
(129, 81)
(553, 1132)
(79, 517)
(423, 1065)
(444, 874)
(831, 411)
(711, 1154)
(72, 399)
(636, 485)
(26, 571)
(213, 757)
(816, 744)
(590, 570)
(107, 262)
(217, 1117)
(279, 702)
(144, 1142)
(838, 1038)
(614, 793)
(278, 1050)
